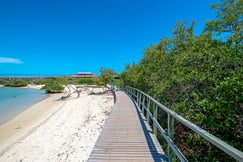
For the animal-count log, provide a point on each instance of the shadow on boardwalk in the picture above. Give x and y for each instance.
(154, 146)
(126, 137)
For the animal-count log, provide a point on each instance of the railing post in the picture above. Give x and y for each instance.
(155, 115)
(133, 93)
(147, 109)
(136, 96)
(171, 135)
(139, 99)
(143, 104)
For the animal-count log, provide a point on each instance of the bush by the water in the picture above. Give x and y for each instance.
(86, 81)
(15, 83)
(53, 88)
(3, 81)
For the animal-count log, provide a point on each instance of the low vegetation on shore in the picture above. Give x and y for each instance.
(57, 84)
(22, 82)
(14, 83)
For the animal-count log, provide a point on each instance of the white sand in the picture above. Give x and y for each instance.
(35, 86)
(69, 134)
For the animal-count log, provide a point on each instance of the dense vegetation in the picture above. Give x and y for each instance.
(200, 78)
(15, 83)
(53, 88)
(87, 81)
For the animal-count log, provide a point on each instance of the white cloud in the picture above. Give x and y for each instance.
(10, 60)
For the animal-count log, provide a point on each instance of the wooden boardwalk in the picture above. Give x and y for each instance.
(126, 136)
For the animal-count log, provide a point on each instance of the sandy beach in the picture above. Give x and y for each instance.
(56, 130)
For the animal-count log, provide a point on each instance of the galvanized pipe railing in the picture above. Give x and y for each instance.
(146, 102)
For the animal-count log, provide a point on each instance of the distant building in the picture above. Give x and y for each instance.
(84, 75)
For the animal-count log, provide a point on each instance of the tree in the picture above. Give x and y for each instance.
(107, 76)
(184, 35)
(229, 20)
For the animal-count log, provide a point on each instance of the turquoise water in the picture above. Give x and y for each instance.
(16, 100)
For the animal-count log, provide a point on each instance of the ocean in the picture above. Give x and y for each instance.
(15, 100)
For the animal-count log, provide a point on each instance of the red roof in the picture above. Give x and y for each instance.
(84, 75)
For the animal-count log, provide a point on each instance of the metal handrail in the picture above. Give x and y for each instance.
(139, 98)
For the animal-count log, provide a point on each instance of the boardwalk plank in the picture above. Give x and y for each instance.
(125, 136)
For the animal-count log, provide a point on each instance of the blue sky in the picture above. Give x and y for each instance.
(69, 36)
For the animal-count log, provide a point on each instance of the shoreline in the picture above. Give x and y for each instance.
(56, 130)
(24, 122)
(23, 108)
(34, 86)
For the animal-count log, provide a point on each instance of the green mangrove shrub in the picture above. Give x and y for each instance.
(53, 88)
